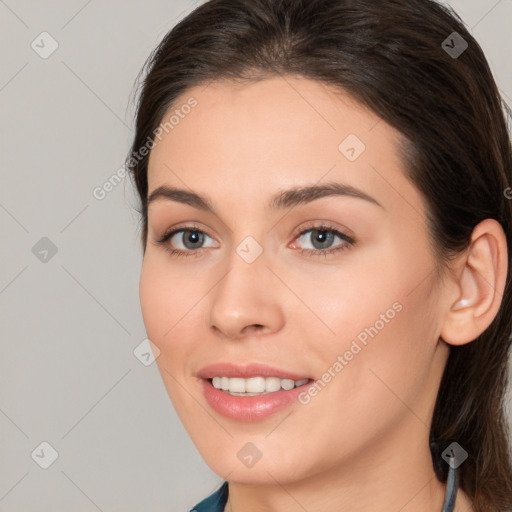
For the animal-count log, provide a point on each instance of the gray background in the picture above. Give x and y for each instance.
(69, 325)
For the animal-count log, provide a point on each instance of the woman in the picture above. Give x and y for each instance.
(326, 225)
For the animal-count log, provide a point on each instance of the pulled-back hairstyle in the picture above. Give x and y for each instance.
(456, 148)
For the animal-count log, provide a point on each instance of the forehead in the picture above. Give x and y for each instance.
(257, 137)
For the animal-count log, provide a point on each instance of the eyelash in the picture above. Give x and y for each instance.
(349, 241)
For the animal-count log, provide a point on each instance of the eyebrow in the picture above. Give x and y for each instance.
(283, 199)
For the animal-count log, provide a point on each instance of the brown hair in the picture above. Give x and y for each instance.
(390, 57)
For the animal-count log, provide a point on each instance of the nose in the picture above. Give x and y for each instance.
(247, 301)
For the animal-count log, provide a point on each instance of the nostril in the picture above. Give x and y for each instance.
(254, 327)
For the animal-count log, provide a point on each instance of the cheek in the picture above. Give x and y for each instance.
(378, 321)
(373, 373)
(153, 299)
(167, 297)
(338, 302)
(168, 313)
(387, 357)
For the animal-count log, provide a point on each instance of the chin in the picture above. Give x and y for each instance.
(266, 470)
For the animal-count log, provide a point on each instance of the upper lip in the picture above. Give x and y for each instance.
(225, 369)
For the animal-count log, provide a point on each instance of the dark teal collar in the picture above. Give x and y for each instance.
(215, 502)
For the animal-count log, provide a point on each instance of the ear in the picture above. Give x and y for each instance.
(479, 286)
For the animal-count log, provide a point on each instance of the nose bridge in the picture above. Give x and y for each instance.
(246, 294)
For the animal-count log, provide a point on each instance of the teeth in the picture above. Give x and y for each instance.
(272, 384)
(254, 385)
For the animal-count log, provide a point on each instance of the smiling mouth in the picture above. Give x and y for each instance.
(255, 386)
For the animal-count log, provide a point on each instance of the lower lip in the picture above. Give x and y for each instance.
(250, 408)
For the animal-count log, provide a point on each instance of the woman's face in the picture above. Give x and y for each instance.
(336, 288)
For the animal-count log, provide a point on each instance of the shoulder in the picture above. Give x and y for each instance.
(215, 502)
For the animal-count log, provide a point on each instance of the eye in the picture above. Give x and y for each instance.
(190, 238)
(322, 238)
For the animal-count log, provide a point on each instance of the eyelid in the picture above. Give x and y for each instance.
(320, 224)
(185, 226)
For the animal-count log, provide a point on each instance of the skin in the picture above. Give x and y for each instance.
(361, 444)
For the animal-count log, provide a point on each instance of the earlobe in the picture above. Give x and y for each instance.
(482, 275)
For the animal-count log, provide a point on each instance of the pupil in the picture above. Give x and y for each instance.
(324, 238)
(193, 238)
